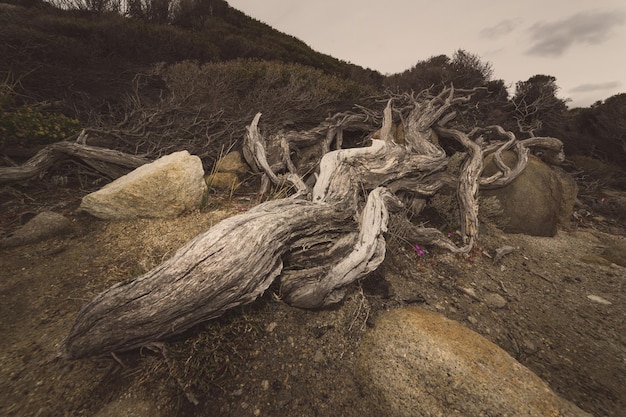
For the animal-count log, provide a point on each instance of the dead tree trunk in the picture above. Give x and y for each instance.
(316, 242)
(109, 162)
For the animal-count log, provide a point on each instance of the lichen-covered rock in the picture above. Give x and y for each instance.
(227, 172)
(539, 200)
(222, 180)
(418, 363)
(164, 188)
(231, 162)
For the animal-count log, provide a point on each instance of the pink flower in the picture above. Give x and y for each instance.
(419, 250)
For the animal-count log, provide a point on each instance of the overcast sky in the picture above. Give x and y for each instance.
(580, 42)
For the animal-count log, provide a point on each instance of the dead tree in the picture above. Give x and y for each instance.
(108, 162)
(315, 242)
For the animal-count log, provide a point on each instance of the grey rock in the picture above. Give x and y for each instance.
(599, 300)
(227, 173)
(45, 225)
(222, 180)
(232, 162)
(616, 253)
(418, 363)
(164, 188)
(538, 201)
(494, 300)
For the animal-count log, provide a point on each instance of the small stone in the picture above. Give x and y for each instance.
(43, 226)
(599, 300)
(222, 180)
(595, 259)
(529, 347)
(616, 253)
(472, 320)
(469, 291)
(231, 162)
(318, 357)
(494, 300)
(270, 327)
(265, 384)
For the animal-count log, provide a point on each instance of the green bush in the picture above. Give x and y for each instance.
(26, 125)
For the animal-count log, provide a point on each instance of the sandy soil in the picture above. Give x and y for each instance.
(271, 359)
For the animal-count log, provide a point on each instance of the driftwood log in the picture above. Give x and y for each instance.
(108, 162)
(315, 242)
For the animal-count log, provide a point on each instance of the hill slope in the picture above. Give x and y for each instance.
(57, 54)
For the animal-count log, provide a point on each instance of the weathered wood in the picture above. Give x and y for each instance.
(232, 263)
(106, 161)
(467, 190)
(254, 146)
(316, 246)
(325, 283)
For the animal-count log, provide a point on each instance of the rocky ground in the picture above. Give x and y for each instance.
(555, 304)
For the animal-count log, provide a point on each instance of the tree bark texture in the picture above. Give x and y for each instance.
(233, 263)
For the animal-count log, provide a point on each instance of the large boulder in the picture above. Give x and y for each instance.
(418, 363)
(164, 188)
(539, 200)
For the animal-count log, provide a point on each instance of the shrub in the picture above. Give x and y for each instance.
(284, 93)
(26, 125)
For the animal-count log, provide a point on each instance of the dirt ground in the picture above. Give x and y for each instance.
(270, 359)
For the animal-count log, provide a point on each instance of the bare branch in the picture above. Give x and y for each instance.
(111, 163)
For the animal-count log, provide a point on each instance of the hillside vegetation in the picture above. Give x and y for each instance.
(100, 66)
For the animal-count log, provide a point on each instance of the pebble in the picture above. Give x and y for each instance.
(595, 259)
(265, 384)
(318, 357)
(494, 300)
(270, 327)
(529, 347)
(599, 300)
(469, 291)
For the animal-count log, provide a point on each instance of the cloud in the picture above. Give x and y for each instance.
(584, 88)
(555, 38)
(503, 28)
